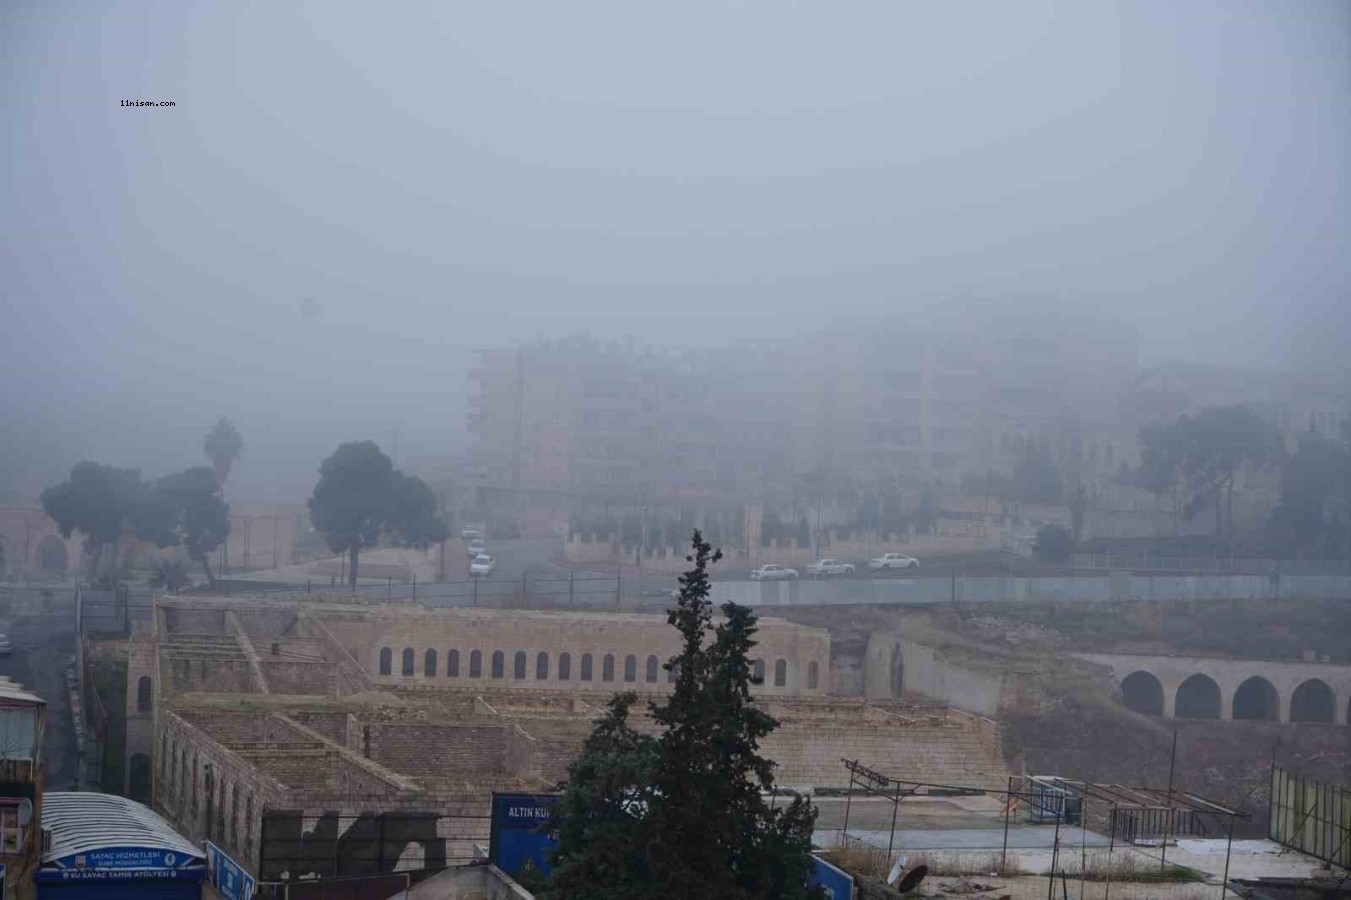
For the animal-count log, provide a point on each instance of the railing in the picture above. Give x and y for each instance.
(1311, 817)
(1149, 562)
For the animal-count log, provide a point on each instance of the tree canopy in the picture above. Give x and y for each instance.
(1313, 517)
(360, 496)
(683, 814)
(223, 445)
(99, 501)
(1204, 453)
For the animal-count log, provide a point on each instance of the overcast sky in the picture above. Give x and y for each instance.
(348, 196)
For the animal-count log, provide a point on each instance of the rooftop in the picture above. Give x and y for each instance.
(87, 822)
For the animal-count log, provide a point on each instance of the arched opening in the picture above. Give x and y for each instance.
(1143, 693)
(652, 669)
(138, 778)
(897, 671)
(1312, 701)
(408, 660)
(630, 668)
(1256, 698)
(452, 663)
(475, 664)
(586, 666)
(1197, 698)
(518, 665)
(541, 666)
(52, 555)
(781, 673)
(564, 666)
(607, 668)
(759, 671)
(813, 674)
(499, 664)
(429, 663)
(144, 694)
(386, 661)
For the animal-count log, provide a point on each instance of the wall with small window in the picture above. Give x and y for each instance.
(595, 653)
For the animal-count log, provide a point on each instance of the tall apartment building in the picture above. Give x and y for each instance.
(577, 419)
(962, 390)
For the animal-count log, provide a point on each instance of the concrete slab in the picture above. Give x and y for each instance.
(1034, 837)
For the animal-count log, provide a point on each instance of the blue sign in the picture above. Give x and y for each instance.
(188, 873)
(128, 858)
(227, 876)
(837, 883)
(521, 831)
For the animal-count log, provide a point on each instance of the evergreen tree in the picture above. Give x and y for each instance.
(683, 816)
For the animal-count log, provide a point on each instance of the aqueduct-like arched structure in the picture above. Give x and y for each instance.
(1196, 687)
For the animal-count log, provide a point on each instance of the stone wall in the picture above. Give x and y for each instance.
(443, 751)
(638, 646)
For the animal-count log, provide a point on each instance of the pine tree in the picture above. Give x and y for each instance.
(694, 820)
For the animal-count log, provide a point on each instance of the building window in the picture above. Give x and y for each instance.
(452, 663)
(408, 659)
(542, 666)
(564, 666)
(630, 668)
(781, 673)
(475, 664)
(386, 661)
(651, 669)
(518, 665)
(607, 668)
(499, 664)
(234, 816)
(759, 671)
(144, 693)
(811, 675)
(429, 663)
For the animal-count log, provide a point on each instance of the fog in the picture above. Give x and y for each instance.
(348, 197)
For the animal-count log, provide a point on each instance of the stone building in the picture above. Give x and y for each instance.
(268, 724)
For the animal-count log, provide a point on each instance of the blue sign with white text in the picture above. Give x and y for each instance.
(521, 831)
(128, 858)
(227, 876)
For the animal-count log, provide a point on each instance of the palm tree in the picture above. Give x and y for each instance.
(223, 445)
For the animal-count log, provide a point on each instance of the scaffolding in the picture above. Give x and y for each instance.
(1139, 816)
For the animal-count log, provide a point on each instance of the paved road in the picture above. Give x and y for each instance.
(43, 634)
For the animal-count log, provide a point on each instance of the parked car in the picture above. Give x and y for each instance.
(469, 532)
(476, 547)
(771, 572)
(483, 564)
(893, 561)
(5, 645)
(825, 567)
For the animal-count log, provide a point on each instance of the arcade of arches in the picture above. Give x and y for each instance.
(1199, 697)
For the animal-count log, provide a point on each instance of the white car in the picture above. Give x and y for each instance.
(483, 564)
(469, 533)
(893, 561)
(5, 645)
(771, 572)
(823, 567)
(476, 547)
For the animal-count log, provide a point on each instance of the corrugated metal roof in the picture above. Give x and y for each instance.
(10, 690)
(83, 822)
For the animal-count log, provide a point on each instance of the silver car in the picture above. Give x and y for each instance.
(824, 567)
(771, 572)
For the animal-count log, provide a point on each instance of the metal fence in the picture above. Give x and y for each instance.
(111, 613)
(579, 591)
(1311, 816)
(332, 845)
(1150, 562)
